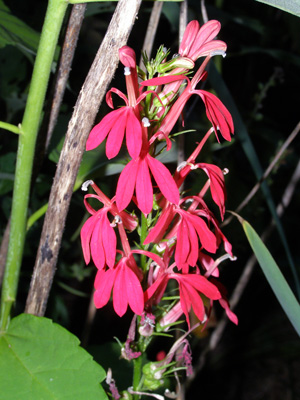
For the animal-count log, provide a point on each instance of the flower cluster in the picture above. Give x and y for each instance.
(179, 234)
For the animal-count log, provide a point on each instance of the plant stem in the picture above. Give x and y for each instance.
(29, 127)
(10, 127)
(137, 373)
(144, 232)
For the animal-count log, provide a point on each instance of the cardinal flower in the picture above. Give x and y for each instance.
(125, 121)
(198, 42)
(98, 237)
(216, 112)
(125, 284)
(136, 176)
(190, 287)
(189, 230)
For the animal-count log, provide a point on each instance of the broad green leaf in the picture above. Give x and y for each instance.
(291, 6)
(15, 32)
(41, 360)
(274, 276)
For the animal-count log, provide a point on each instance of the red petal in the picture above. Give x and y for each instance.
(97, 249)
(164, 180)
(183, 244)
(116, 135)
(133, 134)
(120, 299)
(110, 242)
(126, 184)
(85, 234)
(143, 189)
(207, 238)
(189, 36)
(103, 284)
(157, 232)
(100, 131)
(201, 284)
(134, 291)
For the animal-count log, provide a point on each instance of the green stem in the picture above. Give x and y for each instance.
(30, 124)
(144, 232)
(137, 374)
(10, 127)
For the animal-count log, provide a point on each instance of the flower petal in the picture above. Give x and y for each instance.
(116, 134)
(134, 291)
(101, 130)
(133, 134)
(103, 284)
(97, 249)
(110, 242)
(164, 180)
(143, 189)
(126, 184)
(85, 235)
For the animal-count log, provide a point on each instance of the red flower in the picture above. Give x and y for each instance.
(187, 230)
(216, 112)
(198, 42)
(125, 284)
(98, 237)
(190, 287)
(136, 176)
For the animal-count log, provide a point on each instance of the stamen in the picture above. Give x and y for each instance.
(218, 53)
(117, 220)
(146, 122)
(181, 166)
(127, 71)
(86, 184)
(225, 171)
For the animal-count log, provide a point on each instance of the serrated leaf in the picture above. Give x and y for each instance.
(41, 360)
(274, 276)
(291, 6)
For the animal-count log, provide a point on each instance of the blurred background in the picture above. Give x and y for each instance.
(259, 82)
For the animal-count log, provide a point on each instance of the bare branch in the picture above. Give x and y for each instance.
(68, 50)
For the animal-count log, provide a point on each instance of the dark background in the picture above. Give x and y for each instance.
(258, 359)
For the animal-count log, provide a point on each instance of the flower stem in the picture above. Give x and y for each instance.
(30, 124)
(137, 373)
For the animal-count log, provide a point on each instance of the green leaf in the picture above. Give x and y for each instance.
(274, 276)
(41, 360)
(15, 32)
(291, 6)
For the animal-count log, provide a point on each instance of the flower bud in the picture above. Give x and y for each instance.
(178, 62)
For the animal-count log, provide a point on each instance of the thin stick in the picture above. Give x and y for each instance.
(151, 29)
(86, 108)
(245, 277)
(266, 174)
(68, 50)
